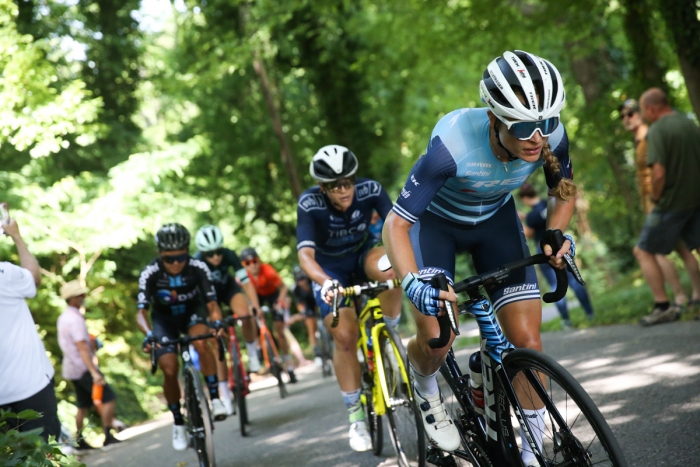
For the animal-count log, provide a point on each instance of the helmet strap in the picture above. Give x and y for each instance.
(496, 125)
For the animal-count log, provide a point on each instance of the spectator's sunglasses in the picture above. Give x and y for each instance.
(624, 115)
(218, 251)
(170, 259)
(248, 262)
(525, 130)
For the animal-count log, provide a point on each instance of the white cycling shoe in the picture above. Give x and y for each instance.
(229, 405)
(438, 424)
(218, 410)
(360, 440)
(180, 442)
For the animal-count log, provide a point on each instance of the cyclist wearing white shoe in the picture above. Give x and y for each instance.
(174, 287)
(220, 260)
(457, 199)
(334, 242)
(306, 305)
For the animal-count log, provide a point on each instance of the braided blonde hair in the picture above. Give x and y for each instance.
(566, 188)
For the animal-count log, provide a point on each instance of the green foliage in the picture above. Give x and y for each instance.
(111, 125)
(28, 449)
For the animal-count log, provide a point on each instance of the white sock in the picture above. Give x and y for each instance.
(427, 386)
(535, 420)
(253, 359)
(288, 361)
(223, 390)
(392, 322)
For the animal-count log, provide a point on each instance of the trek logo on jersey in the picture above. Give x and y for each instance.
(493, 183)
(312, 201)
(520, 288)
(168, 297)
(415, 182)
(367, 189)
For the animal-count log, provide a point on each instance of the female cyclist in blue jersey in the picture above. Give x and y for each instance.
(334, 243)
(457, 198)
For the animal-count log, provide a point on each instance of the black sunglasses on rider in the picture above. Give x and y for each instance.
(343, 183)
(218, 251)
(170, 259)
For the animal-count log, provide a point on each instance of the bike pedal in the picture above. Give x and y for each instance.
(438, 458)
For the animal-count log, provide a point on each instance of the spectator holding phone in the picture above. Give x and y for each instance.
(26, 374)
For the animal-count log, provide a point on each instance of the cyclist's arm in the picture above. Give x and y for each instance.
(214, 310)
(284, 295)
(398, 245)
(206, 288)
(307, 261)
(251, 293)
(142, 320)
(143, 298)
(558, 217)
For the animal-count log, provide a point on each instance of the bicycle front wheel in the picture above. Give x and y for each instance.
(239, 388)
(405, 424)
(574, 433)
(199, 418)
(325, 347)
(275, 365)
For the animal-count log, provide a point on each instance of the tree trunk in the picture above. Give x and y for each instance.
(648, 70)
(285, 151)
(681, 17)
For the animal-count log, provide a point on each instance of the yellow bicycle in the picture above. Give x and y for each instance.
(386, 383)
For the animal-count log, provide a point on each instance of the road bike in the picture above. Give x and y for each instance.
(324, 343)
(386, 386)
(574, 431)
(271, 357)
(237, 377)
(198, 416)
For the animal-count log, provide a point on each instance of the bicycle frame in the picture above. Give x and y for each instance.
(264, 330)
(233, 344)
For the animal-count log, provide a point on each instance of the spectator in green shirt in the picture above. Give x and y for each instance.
(673, 153)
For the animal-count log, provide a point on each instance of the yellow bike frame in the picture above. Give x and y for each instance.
(380, 391)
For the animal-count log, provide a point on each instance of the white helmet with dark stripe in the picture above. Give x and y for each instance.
(521, 73)
(209, 238)
(333, 162)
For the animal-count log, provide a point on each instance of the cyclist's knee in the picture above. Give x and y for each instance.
(345, 341)
(169, 369)
(527, 341)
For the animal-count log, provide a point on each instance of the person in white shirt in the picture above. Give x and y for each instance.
(79, 366)
(26, 374)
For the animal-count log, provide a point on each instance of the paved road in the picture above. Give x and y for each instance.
(646, 381)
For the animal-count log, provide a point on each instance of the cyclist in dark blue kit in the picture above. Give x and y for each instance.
(306, 306)
(176, 288)
(535, 225)
(334, 242)
(457, 199)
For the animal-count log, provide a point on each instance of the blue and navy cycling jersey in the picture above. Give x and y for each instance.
(459, 178)
(335, 233)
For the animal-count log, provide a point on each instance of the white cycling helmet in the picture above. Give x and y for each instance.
(333, 162)
(534, 78)
(209, 238)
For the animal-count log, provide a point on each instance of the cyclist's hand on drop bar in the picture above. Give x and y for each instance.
(328, 291)
(427, 299)
(148, 341)
(549, 242)
(217, 328)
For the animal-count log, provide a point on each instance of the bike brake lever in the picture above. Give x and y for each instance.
(571, 266)
(336, 317)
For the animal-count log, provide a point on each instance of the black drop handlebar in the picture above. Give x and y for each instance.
(186, 340)
(472, 285)
(371, 288)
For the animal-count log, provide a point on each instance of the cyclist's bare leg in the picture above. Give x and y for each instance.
(171, 387)
(520, 322)
(390, 300)
(278, 327)
(207, 360)
(424, 359)
(311, 327)
(346, 334)
(239, 305)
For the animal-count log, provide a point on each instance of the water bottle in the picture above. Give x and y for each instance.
(476, 382)
(370, 355)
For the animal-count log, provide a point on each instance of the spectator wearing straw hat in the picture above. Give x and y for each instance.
(78, 364)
